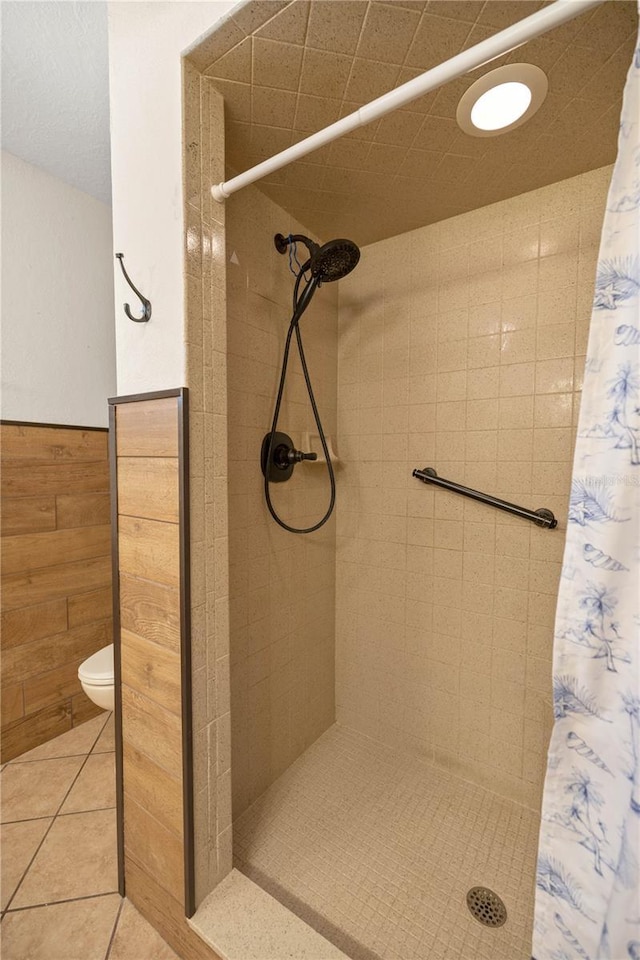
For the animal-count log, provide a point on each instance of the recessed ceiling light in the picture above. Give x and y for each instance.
(502, 99)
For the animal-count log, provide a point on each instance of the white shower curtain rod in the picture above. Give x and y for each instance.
(538, 23)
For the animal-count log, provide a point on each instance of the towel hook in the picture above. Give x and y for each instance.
(146, 304)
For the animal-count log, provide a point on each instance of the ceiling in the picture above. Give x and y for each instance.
(288, 69)
(55, 90)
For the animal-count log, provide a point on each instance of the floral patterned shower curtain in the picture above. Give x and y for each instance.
(588, 880)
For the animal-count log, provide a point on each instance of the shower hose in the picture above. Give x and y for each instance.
(300, 304)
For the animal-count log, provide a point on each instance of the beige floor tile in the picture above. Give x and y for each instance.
(77, 859)
(73, 743)
(19, 843)
(106, 742)
(61, 931)
(136, 939)
(95, 788)
(376, 850)
(31, 790)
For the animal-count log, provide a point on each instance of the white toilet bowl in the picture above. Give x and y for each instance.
(97, 678)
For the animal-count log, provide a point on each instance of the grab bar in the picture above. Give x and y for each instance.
(541, 517)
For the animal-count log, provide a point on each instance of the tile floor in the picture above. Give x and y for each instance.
(372, 848)
(59, 867)
(376, 850)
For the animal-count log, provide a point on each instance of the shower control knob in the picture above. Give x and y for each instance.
(297, 456)
(278, 466)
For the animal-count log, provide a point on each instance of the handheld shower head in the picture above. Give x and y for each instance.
(334, 260)
(331, 261)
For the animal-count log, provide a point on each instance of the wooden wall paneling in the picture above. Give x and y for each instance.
(48, 653)
(27, 515)
(82, 509)
(51, 686)
(151, 610)
(166, 914)
(12, 703)
(83, 709)
(148, 427)
(36, 550)
(33, 623)
(20, 736)
(152, 670)
(56, 546)
(35, 441)
(149, 488)
(50, 583)
(149, 549)
(152, 636)
(152, 730)
(155, 790)
(33, 478)
(155, 849)
(92, 605)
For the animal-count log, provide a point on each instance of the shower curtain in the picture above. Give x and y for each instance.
(588, 882)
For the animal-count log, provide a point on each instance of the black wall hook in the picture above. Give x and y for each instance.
(146, 304)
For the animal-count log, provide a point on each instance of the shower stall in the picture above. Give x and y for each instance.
(391, 672)
(390, 669)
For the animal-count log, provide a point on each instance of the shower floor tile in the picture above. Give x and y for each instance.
(376, 850)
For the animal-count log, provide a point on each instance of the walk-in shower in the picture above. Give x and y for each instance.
(390, 675)
(327, 262)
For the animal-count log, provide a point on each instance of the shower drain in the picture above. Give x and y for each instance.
(486, 906)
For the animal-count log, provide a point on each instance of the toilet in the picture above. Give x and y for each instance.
(97, 678)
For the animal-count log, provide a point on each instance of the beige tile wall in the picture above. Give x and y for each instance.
(281, 586)
(461, 347)
(206, 371)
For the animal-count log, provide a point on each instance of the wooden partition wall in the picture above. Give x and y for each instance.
(56, 576)
(149, 464)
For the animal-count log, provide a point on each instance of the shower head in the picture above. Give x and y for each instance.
(334, 260)
(331, 261)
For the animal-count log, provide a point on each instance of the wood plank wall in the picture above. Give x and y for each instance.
(153, 636)
(56, 576)
(148, 465)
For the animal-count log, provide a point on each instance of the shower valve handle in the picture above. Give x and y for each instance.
(284, 456)
(297, 456)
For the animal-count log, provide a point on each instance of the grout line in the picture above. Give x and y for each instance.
(54, 816)
(53, 820)
(411, 146)
(343, 98)
(115, 928)
(67, 755)
(298, 93)
(53, 903)
(46, 816)
(73, 813)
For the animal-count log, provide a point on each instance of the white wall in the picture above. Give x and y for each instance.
(58, 344)
(146, 41)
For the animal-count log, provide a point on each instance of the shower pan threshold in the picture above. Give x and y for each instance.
(240, 921)
(375, 849)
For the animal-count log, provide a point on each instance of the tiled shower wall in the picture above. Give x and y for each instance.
(205, 336)
(281, 586)
(462, 348)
